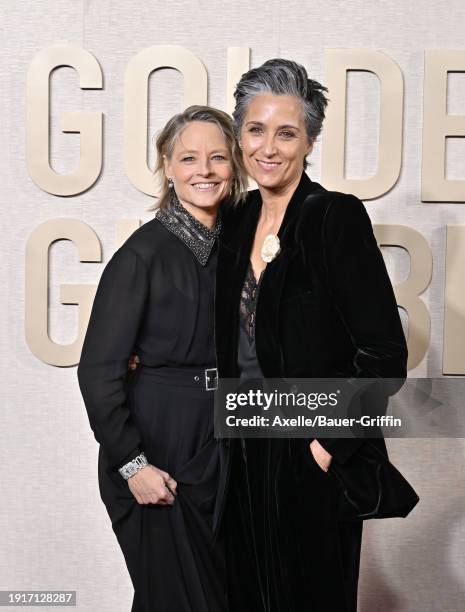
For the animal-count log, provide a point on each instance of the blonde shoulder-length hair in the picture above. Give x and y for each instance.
(168, 136)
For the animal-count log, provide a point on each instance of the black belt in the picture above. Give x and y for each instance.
(186, 376)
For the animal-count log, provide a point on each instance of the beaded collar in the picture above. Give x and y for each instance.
(197, 236)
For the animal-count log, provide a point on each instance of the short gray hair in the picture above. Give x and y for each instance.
(282, 77)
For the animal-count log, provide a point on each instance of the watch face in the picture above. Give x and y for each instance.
(132, 467)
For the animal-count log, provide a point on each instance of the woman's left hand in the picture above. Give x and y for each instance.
(321, 456)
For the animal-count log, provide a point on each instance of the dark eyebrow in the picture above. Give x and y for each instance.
(280, 127)
(294, 127)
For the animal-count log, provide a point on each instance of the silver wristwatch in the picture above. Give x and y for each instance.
(132, 467)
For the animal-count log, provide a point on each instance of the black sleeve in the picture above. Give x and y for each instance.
(364, 298)
(114, 323)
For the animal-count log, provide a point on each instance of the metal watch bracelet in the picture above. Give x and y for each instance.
(132, 467)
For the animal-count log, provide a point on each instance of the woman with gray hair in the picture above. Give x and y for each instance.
(302, 292)
(158, 461)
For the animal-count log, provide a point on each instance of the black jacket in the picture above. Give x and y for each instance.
(326, 307)
(151, 300)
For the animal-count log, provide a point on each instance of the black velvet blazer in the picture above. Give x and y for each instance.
(326, 307)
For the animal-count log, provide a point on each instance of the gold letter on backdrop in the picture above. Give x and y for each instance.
(407, 293)
(454, 302)
(338, 62)
(89, 124)
(238, 63)
(437, 125)
(36, 299)
(136, 106)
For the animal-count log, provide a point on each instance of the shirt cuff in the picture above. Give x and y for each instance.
(129, 458)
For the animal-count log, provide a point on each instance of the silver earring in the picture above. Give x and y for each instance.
(170, 183)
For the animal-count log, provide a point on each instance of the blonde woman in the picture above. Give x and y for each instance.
(158, 462)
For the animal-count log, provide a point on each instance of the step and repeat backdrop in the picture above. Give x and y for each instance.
(85, 86)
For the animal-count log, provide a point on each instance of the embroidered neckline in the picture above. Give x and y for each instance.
(198, 237)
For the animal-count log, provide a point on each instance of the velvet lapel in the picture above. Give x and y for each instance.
(267, 337)
(235, 248)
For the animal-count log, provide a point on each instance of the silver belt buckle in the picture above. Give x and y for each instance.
(211, 379)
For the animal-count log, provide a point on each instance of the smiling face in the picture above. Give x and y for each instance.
(274, 140)
(200, 166)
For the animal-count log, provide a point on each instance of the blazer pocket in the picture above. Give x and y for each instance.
(370, 486)
(308, 455)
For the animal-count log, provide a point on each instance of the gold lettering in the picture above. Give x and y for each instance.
(88, 124)
(338, 62)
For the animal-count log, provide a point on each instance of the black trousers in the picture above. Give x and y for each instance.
(171, 558)
(285, 551)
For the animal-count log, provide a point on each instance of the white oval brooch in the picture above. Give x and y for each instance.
(270, 248)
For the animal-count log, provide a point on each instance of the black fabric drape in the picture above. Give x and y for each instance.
(325, 309)
(156, 300)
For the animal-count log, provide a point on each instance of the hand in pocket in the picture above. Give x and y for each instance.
(320, 455)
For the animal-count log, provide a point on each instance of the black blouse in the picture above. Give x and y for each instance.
(155, 298)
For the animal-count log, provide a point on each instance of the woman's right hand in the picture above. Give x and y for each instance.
(151, 485)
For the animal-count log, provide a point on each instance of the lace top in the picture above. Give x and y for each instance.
(249, 367)
(248, 303)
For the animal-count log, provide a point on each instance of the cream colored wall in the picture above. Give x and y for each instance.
(54, 528)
